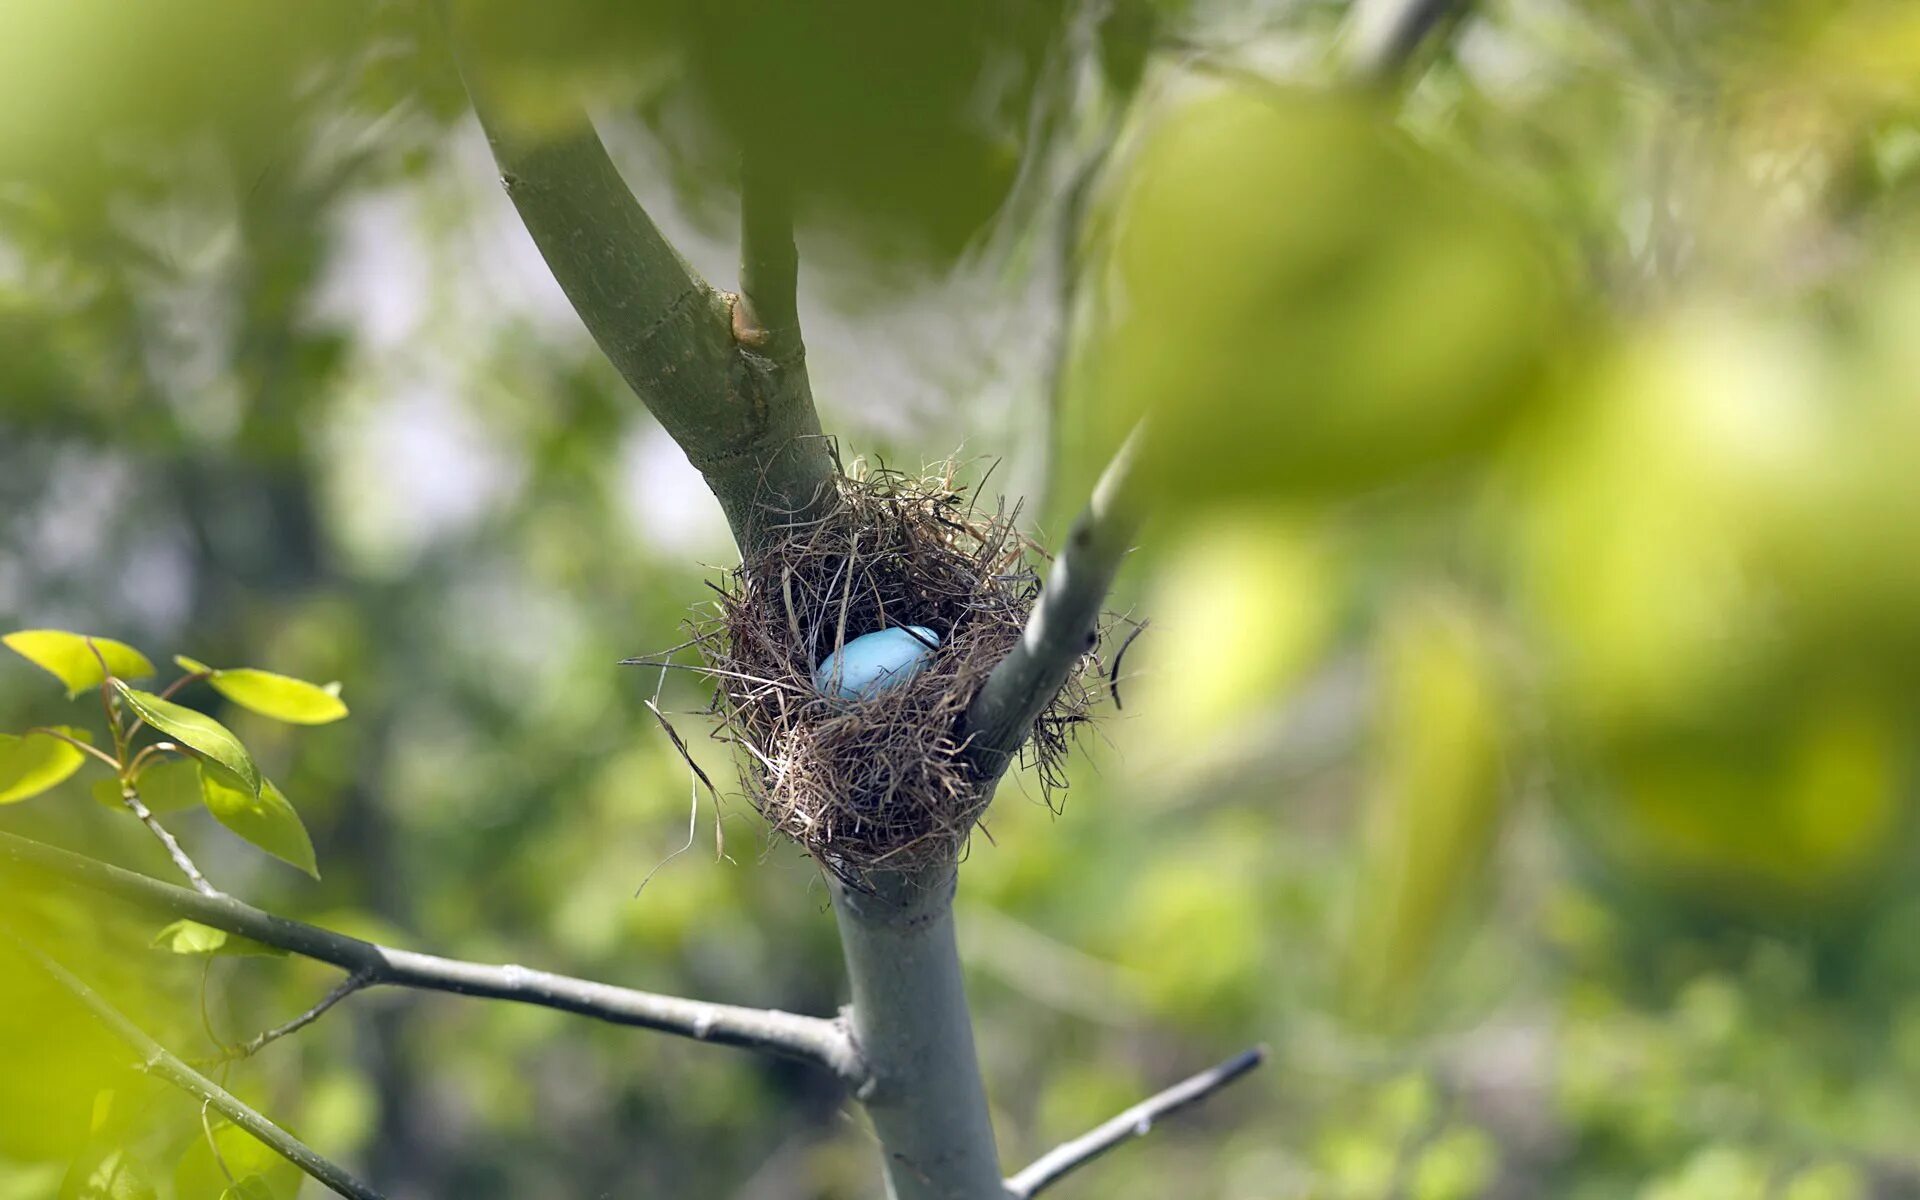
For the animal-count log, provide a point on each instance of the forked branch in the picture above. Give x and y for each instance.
(157, 1060)
(811, 1039)
(744, 417)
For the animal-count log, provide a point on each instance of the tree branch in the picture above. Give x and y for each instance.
(910, 1021)
(1061, 627)
(259, 1041)
(1054, 1165)
(810, 1039)
(156, 1059)
(747, 423)
(769, 263)
(130, 796)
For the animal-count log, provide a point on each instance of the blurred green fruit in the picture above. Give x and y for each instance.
(1308, 302)
(1717, 735)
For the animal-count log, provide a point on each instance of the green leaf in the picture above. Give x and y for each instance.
(253, 1187)
(195, 730)
(169, 786)
(191, 937)
(69, 658)
(281, 697)
(265, 819)
(36, 762)
(105, 1172)
(191, 666)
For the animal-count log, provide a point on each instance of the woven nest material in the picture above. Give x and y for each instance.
(883, 784)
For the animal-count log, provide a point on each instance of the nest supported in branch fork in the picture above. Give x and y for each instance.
(882, 784)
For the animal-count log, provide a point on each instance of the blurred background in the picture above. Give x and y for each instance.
(1522, 744)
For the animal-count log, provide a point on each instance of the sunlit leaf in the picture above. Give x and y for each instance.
(263, 818)
(197, 731)
(281, 697)
(35, 763)
(69, 658)
(191, 937)
(253, 1187)
(171, 785)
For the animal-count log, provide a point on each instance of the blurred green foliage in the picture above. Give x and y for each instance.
(1523, 740)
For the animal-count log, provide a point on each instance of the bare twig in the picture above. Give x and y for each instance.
(1055, 1164)
(811, 1039)
(1061, 627)
(157, 1060)
(253, 1045)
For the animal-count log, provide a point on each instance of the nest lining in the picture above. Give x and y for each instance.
(883, 784)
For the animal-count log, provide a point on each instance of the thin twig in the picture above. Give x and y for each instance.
(157, 1060)
(252, 1046)
(1055, 1164)
(810, 1039)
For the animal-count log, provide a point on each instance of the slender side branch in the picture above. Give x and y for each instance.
(744, 420)
(258, 1042)
(810, 1039)
(769, 263)
(130, 796)
(156, 1059)
(1054, 1165)
(1062, 625)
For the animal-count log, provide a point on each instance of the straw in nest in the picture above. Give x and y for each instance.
(882, 784)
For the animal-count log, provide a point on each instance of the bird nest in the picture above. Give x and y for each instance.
(888, 783)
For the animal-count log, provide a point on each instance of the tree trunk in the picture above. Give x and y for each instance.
(910, 1023)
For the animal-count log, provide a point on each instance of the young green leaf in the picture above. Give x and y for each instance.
(169, 786)
(253, 1187)
(263, 818)
(191, 937)
(35, 763)
(69, 658)
(195, 730)
(281, 697)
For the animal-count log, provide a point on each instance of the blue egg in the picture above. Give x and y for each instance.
(869, 665)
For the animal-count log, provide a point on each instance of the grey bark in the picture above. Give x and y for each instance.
(812, 1039)
(912, 1029)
